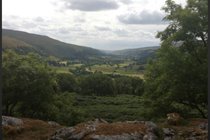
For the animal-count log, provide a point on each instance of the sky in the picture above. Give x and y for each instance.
(100, 24)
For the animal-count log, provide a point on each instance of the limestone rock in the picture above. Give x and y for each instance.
(174, 118)
(6, 120)
(52, 123)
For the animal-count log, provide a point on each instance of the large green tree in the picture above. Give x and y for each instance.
(28, 85)
(179, 74)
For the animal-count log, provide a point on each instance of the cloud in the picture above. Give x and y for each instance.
(91, 5)
(100, 28)
(63, 30)
(144, 17)
(8, 25)
(81, 20)
(121, 33)
(39, 19)
(126, 1)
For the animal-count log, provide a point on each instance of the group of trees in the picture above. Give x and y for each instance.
(32, 89)
(100, 84)
(177, 78)
(26, 81)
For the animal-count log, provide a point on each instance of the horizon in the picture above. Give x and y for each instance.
(80, 45)
(99, 24)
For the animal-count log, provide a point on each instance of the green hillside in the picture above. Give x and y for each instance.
(135, 53)
(45, 45)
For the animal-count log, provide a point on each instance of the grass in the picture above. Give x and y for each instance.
(65, 69)
(117, 108)
(61, 69)
(105, 68)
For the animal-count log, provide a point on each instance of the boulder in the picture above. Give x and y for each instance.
(11, 121)
(63, 133)
(168, 134)
(174, 119)
(150, 136)
(203, 126)
(151, 127)
(52, 123)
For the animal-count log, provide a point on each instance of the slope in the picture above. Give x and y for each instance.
(45, 45)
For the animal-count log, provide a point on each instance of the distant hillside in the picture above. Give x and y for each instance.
(27, 42)
(138, 53)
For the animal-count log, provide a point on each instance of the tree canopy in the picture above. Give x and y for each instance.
(28, 84)
(179, 74)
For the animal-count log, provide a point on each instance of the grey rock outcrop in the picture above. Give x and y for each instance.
(6, 120)
(93, 130)
(168, 134)
(52, 123)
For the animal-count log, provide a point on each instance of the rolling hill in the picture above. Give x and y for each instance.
(26, 42)
(139, 54)
(23, 42)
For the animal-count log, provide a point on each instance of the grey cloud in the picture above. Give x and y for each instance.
(102, 28)
(69, 30)
(142, 18)
(126, 1)
(28, 25)
(39, 19)
(121, 32)
(63, 30)
(7, 25)
(79, 19)
(91, 5)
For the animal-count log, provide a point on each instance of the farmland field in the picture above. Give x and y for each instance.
(127, 69)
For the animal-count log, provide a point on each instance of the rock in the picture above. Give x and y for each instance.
(6, 120)
(150, 136)
(52, 123)
(151, 127)
(203, 126)
(101, 130)
(174, 118)
(100, 120)
(168, 134)
(63, 133)
(117, 137)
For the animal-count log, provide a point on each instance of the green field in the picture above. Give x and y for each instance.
(106, 69)
(65, 69)
(110, 108)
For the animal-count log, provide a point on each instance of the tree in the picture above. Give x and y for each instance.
(67, 82)
(129, 85)
(97, 84)
(28, 85)
(123, 85)
(179, 73)
(64, 111)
